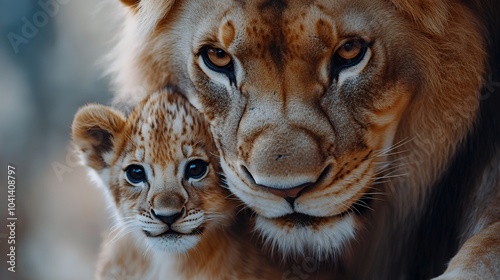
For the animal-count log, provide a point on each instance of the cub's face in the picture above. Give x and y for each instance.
(159, 167)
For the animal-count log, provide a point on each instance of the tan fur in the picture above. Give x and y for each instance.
(390, 124)
(478, 257)
(163, 134)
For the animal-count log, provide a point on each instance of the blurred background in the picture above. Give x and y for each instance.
(49, 66)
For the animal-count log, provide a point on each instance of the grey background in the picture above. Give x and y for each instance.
(44, 78)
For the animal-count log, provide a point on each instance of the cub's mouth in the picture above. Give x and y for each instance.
(173, 241)
(170, 233)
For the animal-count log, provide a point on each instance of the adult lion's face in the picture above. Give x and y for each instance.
(305, 99)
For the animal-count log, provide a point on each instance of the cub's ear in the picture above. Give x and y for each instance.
(430, 15)
(95, 129)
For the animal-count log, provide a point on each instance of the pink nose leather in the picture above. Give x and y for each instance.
(284, 193)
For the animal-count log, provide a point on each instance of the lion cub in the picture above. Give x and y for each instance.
(159, 168)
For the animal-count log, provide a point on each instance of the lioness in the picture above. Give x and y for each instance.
(354, 129)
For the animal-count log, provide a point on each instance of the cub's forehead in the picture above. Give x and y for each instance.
(165, 128)
(164, 115)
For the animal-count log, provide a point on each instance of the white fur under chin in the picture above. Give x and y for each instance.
(172, 244)
(328, 239)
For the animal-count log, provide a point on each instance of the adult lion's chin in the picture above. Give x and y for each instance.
(320, 237)
(299, 234)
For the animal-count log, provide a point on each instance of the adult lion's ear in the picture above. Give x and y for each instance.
(149, 12)
(95, 129)
(130, 3)
(430, 15)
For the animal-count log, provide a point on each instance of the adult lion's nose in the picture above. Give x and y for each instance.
(284, 163)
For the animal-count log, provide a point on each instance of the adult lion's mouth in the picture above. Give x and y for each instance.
(299, 219)
(358, 208)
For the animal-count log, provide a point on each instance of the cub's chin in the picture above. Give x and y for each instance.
(173, 242)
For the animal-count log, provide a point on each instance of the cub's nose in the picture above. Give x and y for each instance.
(168, 218)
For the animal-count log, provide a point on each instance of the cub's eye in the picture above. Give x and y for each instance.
(135, 174)
(217, 60)
(196, 169)
(349, 54)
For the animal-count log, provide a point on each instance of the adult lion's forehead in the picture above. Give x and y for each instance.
(282, 38)
(276, 21)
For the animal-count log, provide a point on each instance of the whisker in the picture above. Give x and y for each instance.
(361, 204)
(386, 151)
(390, 176)
(375, 193)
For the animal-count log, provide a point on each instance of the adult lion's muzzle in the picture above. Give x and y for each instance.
(284, 160)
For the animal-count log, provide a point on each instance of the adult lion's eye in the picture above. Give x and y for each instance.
(218, 57)
(135, 174)
(217, 60)
(196, 169)
(348, 54)
(350, 50)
